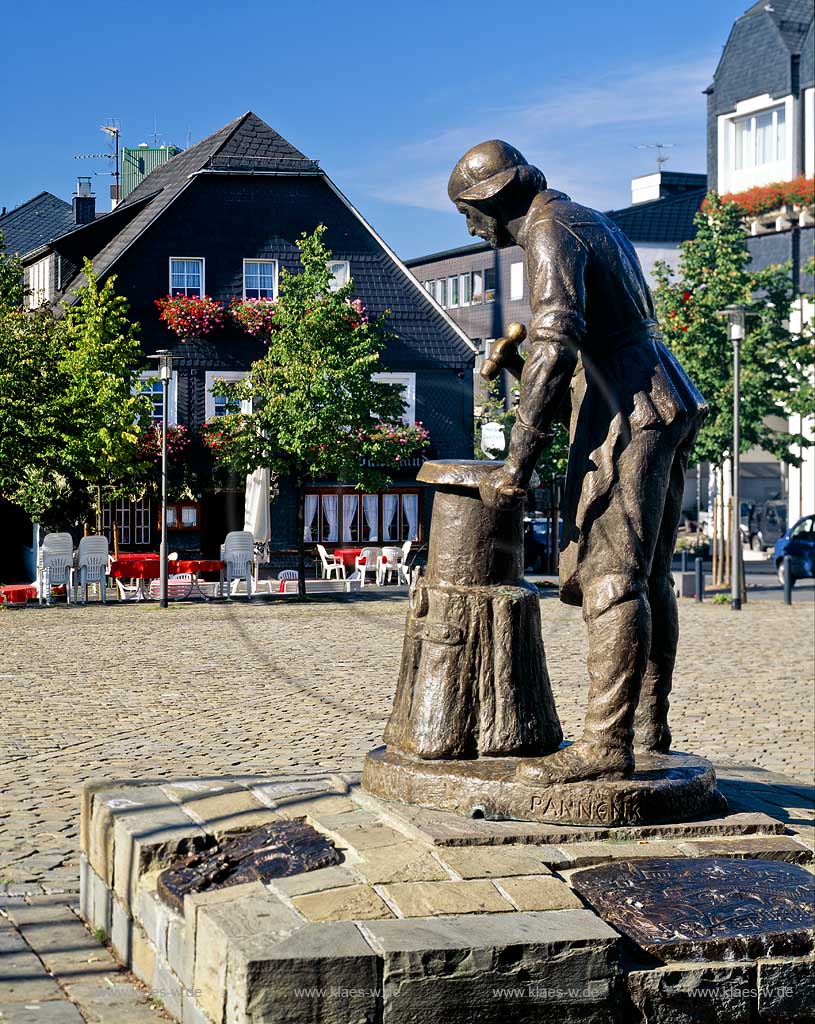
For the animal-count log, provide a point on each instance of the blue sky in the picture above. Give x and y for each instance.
(386, 98)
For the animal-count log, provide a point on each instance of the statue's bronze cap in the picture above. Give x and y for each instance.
(484, 170)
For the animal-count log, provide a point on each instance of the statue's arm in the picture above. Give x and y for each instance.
(556, 269)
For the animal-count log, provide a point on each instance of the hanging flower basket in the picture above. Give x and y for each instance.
(178, 440)
(255, 316)
(190, 316)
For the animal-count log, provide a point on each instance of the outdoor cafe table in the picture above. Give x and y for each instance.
(135, 566)
(347, 556)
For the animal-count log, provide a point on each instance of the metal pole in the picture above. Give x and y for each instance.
(736, 333)
(165, 385)
(787, 579)
(683, 557)
(700, 580)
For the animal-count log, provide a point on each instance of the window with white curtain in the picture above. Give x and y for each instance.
(340, 274)
(390, 521)
(309, 528)
(760, 138)
(370, 517)
(344, 516)
(350, 518)
(330, 521)
(410, 517)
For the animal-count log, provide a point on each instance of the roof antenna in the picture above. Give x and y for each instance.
(112, 128)
(658, 146)
(157, 135)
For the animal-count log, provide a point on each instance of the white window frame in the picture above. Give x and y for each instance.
(408, 383)
(188, 259)
(274, 275)
(516, 281)
(335, 285)
(231, 377)
(732, 180)
(172, 395)
(453, 282)
(468, 277)
(38, 281)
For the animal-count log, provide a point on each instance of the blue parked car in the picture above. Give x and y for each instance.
(799, 543)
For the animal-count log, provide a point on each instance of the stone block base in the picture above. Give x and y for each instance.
(418, 922)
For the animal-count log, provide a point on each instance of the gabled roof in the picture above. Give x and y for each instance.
(35, 222)
(669, 219)
(247, 143)
(791, 17)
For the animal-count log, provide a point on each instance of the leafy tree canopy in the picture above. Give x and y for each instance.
(776, 361)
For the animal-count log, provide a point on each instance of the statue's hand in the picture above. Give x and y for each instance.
(500, 489)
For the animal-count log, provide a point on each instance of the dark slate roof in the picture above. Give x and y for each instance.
(35, 222)
(448, 254)
(247, 143)
(669, 219)
(808, 58)
(792, 18)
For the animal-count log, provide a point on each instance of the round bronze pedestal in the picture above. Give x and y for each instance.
(665, 788)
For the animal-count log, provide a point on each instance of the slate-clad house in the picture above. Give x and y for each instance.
(761, 130)
(222, 218)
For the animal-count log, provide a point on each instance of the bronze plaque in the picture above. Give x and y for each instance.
(706, 908)
(273, 851)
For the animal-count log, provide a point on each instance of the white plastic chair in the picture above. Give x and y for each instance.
(366, 562)
(55, 563)
(239, 555)
(92, 566)
(387, 564)
(288, 574)
(330, 563)
(404, 572)
(179, 585)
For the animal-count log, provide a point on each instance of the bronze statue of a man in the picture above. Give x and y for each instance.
(596, 362)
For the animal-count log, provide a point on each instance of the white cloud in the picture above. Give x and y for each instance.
(584, 138)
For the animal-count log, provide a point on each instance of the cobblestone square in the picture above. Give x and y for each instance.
(198, 689)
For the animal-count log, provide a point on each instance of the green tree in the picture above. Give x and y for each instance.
(70, 411)
(106, 411)
(12, 290)
(776, 362)
(316, 412)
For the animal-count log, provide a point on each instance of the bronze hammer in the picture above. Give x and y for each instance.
(504, 354)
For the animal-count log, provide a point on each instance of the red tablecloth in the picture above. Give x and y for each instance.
(10, 594)
(149, 567)
(347, 556)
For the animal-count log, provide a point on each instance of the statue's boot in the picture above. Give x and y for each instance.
(651, 731)
(618, 620)
(578, 762)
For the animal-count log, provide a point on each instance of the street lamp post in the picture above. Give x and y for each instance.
(165, 375)
(735, 329)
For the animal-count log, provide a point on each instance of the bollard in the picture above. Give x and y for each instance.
(700, 580)
(787, 579)
(684, 557)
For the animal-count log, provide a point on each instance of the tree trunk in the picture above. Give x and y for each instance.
(301, 543)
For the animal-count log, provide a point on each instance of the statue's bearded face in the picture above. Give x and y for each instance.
(482, 224)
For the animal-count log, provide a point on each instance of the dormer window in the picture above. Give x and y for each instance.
(760, 138)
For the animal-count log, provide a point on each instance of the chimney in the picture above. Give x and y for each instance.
(84, 202)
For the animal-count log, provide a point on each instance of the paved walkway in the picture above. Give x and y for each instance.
(130, 691)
